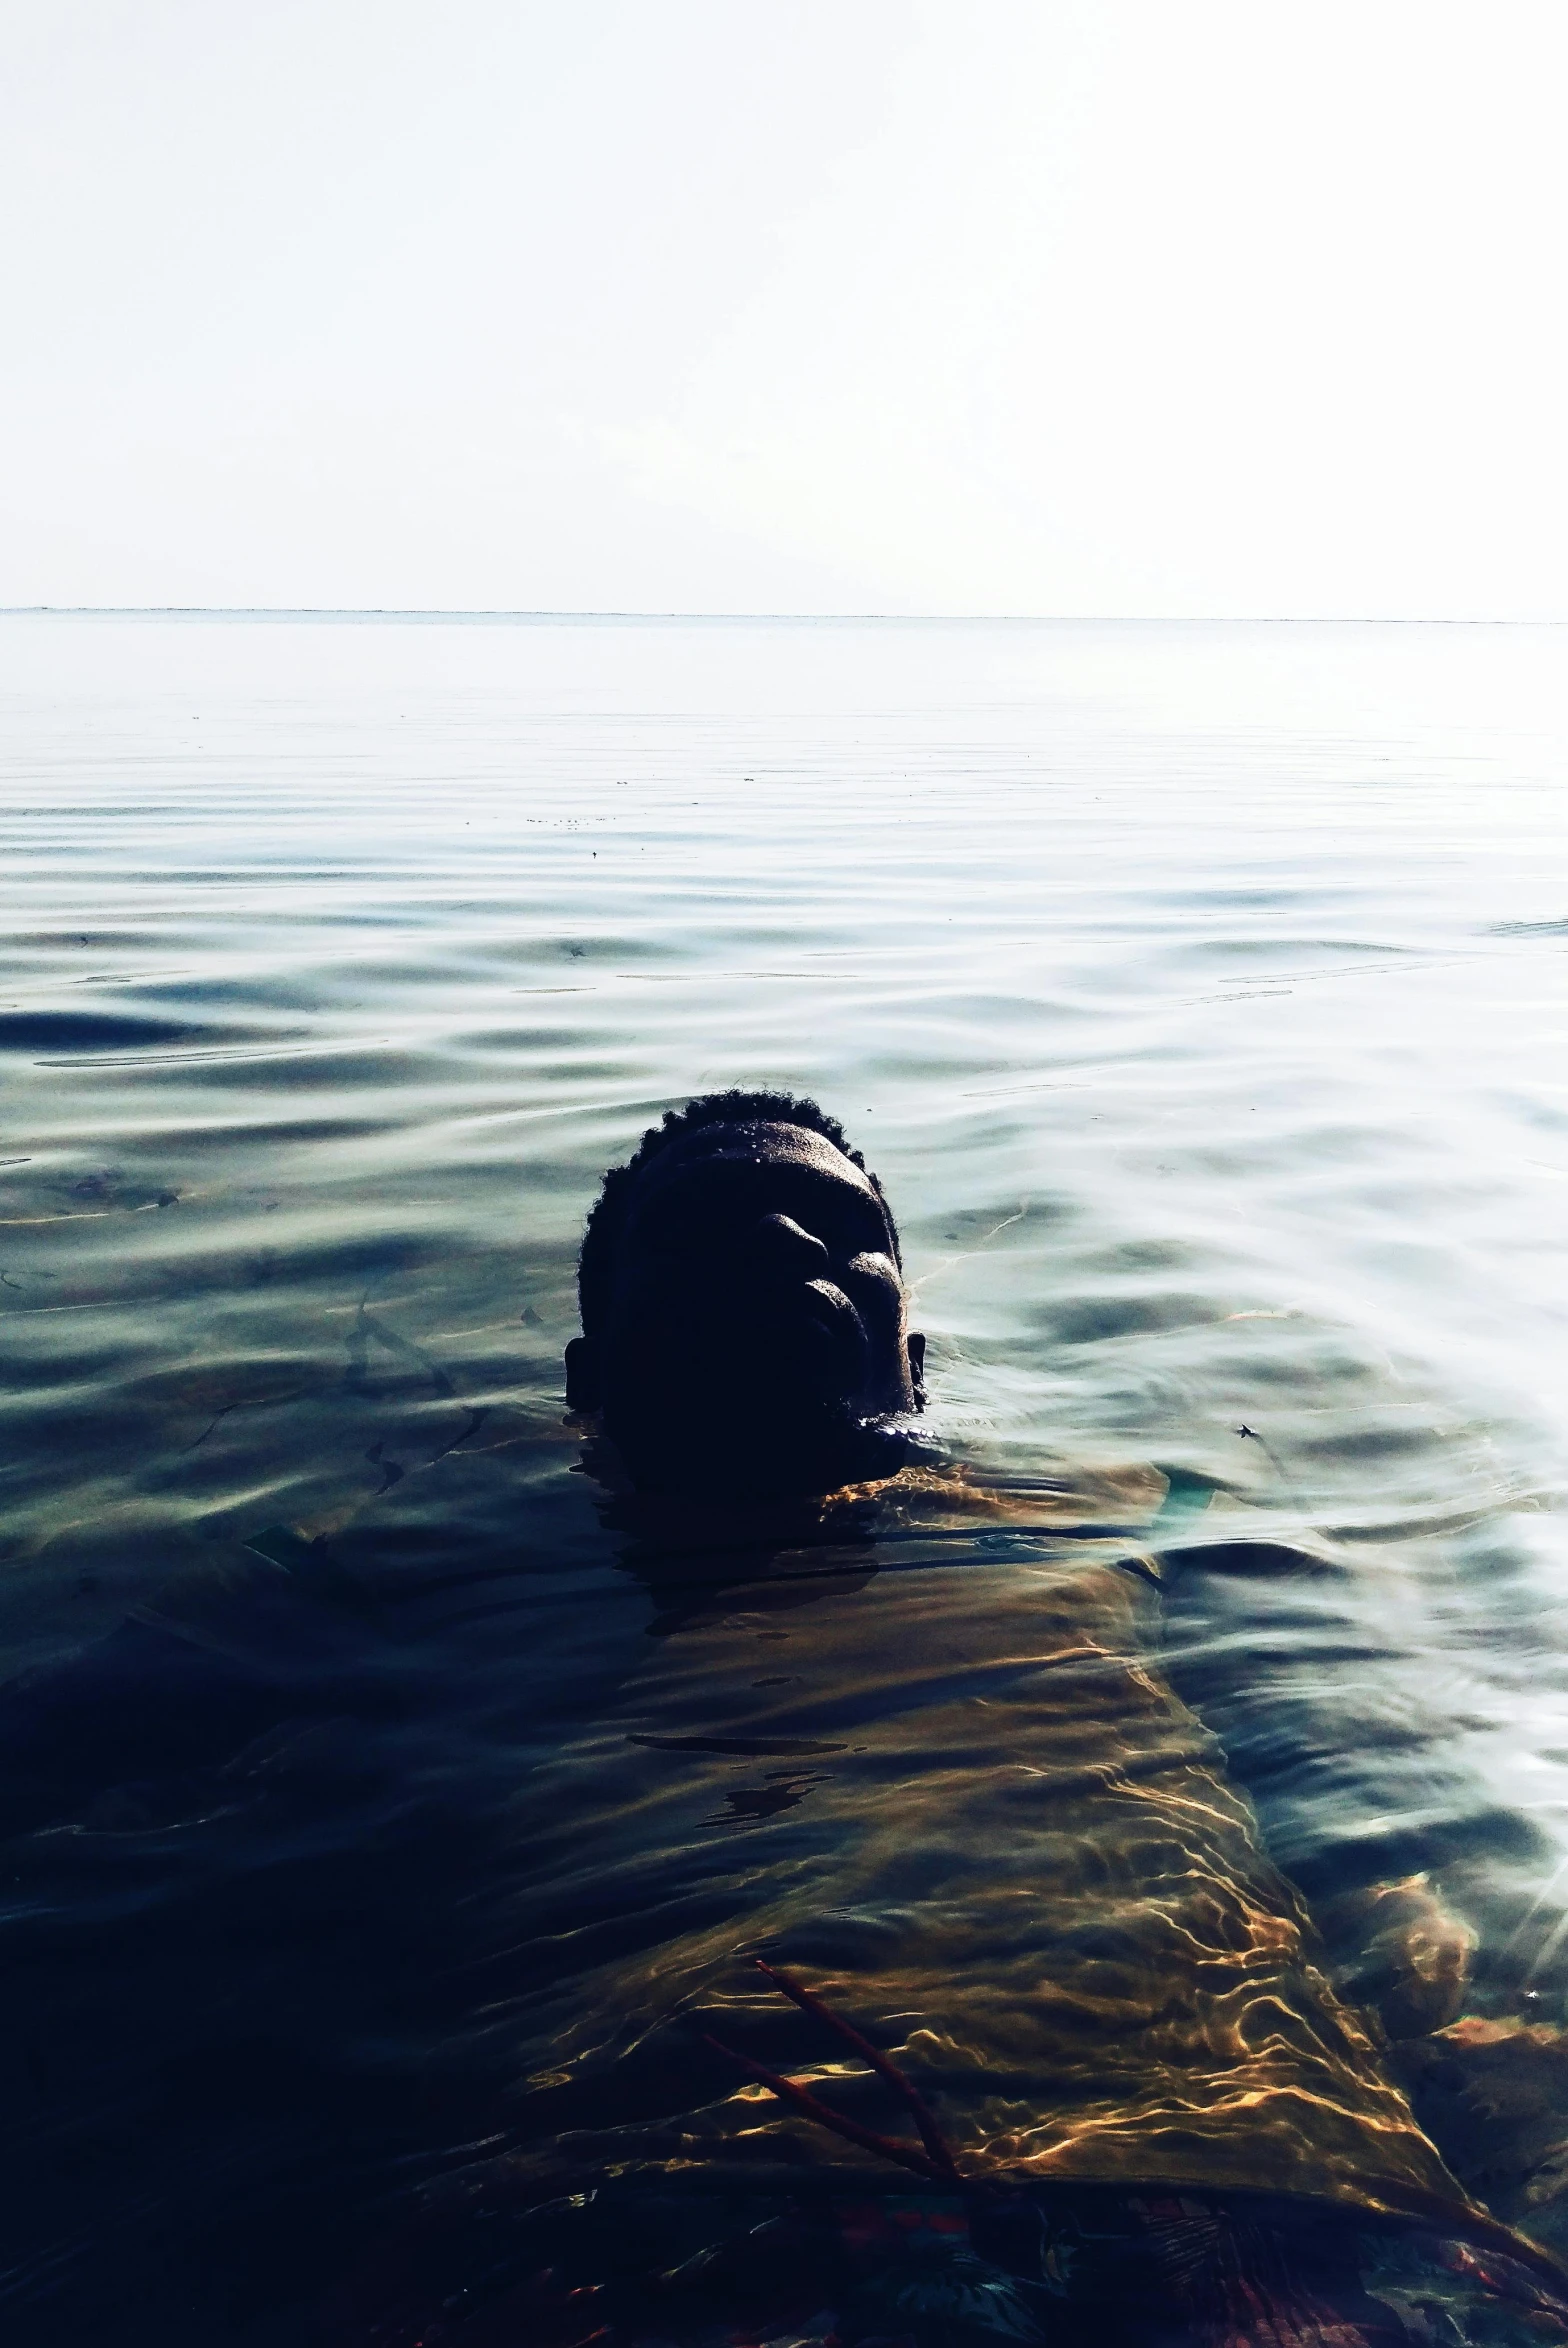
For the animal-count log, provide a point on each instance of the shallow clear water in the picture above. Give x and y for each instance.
(1198, 993)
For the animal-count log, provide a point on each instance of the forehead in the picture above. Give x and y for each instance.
(745, 1156)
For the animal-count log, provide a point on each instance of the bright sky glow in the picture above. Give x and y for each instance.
(1054, 306)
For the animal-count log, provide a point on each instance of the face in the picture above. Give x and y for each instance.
(756, 1335)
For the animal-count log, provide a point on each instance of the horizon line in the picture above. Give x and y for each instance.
(506, 614)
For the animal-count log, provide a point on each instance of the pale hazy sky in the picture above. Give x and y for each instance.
(1055, 306)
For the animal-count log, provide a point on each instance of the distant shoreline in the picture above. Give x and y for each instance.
(399, 616)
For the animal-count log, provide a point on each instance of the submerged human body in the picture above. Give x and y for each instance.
(998, 1845)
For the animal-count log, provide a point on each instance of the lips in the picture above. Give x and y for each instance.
(839, 1330)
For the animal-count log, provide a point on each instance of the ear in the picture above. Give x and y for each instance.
(582, 1376)
(915, 1346)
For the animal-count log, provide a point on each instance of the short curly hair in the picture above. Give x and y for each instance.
(607, 1216)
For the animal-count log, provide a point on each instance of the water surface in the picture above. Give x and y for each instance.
(1198, 994)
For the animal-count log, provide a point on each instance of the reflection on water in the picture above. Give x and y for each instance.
(387, 1806)
(1007, 1834)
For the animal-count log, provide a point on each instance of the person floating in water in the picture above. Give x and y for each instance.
(1011, 2031)
(745, 1321)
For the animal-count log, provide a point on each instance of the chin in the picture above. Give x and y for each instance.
(771, 1455)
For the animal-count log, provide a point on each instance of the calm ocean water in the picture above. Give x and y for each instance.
(1198, 993)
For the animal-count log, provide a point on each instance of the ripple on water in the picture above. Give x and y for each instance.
(377, 1786)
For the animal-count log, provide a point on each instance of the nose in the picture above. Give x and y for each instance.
(785, 1249)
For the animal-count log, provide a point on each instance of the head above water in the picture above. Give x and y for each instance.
(743, 1305)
